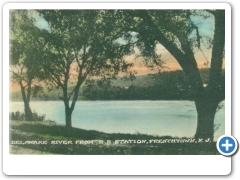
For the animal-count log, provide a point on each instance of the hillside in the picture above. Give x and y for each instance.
(166, 85)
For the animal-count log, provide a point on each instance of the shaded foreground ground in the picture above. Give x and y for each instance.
(31, 137)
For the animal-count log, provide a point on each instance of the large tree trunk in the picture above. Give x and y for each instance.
(28, 111)
(206, 110)
(68, 110)
(66, 98)
(26, 100)
(207, 104)
(68, 113)
(68, 118)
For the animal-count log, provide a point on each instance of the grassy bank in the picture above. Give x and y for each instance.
(31, 137)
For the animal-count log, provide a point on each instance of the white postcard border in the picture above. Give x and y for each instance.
(113, 164)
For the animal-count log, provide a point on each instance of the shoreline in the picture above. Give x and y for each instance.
(57, 139)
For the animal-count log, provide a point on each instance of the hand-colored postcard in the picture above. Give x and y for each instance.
(138, 80)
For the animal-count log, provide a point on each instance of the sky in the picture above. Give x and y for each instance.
(40, 22)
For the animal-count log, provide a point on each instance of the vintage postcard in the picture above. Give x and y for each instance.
(144, 80)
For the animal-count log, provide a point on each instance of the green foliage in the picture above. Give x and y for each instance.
(162, 86)
(84, 42)
(19, 116)
(25, 49)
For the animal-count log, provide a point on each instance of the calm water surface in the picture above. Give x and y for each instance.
(175, 118)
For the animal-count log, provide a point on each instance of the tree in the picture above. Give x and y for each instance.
(24, 56)
(81, 44)
(176, 31)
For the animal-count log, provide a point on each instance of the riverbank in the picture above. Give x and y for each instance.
(31, 137)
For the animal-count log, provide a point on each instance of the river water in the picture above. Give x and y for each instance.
(174, 118)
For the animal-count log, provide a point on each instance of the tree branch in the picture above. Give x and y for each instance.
(186, 61)
(215, 77)
(211, 11)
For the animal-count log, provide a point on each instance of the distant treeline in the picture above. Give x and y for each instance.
(171, 85)
(156, 92)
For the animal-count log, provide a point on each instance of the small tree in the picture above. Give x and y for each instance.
(24, 56)
(79, 45)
